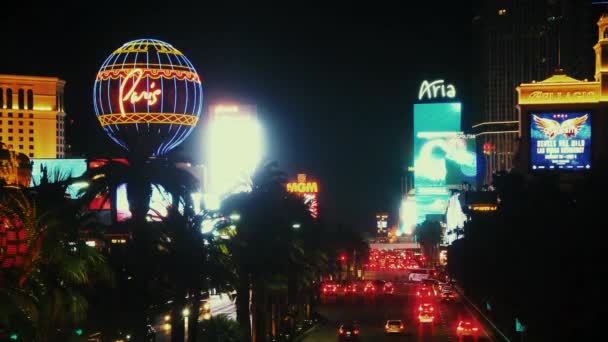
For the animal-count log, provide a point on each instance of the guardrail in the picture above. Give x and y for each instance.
(480, 313)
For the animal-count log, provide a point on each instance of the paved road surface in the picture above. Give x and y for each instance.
(371, 314)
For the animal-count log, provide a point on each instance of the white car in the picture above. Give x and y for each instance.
(394, 326)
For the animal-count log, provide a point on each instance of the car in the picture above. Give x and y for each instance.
(329, 289)
(426, 307)
(388, 288)
(467, 328)
(350, 289)
(426, 316)
(424, 292)
(369, 288)
(394, 326)
(348, 332)
(448, 296)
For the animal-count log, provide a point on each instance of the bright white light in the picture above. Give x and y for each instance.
(235, 216)
(91, 243)
(235, 147)
(186, 312)
(296, 226)
(211, 202)
(408, 215)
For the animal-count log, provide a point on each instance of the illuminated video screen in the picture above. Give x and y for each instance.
(560, 141)
(160, 202)
(444, 157)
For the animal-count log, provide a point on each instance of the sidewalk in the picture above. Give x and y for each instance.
(494, 333)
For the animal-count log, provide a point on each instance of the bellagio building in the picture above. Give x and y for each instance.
(32, 115)
(520, 41)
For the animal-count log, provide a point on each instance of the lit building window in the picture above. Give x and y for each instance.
(21, 99)
(30, 99)
(502, 11)
(9, 99)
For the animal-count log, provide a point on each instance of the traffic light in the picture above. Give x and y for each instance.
(342, 257)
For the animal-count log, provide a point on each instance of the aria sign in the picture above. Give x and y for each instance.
(436, 89)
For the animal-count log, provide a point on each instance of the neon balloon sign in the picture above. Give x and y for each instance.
(147, 97)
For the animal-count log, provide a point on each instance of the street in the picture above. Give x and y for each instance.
(372, 313)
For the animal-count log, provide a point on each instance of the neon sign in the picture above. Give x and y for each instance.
(305, 187)
(147, 96)
(132, 96)
(435, 89)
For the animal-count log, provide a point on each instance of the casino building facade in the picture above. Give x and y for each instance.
(32, 116)
(558, 99)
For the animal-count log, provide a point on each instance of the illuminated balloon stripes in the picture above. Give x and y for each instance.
(142, 47)
(150, 73)
(150, 118)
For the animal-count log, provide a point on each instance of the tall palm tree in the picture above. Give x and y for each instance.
(48, 291)
(259, 245)
(140, 175)
(429, 234)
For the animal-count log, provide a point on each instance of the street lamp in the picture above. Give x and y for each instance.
(296, 225)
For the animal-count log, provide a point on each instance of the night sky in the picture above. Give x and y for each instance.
(334, 88)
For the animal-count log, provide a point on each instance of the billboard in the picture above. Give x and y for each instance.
(58, 170)
(444, 157)
(160, 202)
(560, 141)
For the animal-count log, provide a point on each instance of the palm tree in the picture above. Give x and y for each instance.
(260, 248)
(139, 176)
(429, 234)
(48, 292)
(221, 329)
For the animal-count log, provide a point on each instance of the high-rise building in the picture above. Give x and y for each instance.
(522, 41)
(32, 115)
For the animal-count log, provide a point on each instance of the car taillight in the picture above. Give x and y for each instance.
(356, 331)
(418, 293)
(341, 331)
(475, 329)
(401, 326)
(432, 308)
(459, 329)
(386, 327)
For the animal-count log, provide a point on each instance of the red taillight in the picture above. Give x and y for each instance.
(459, 329)
(475, 329)
(401, 326)
(356, 331)
(341, 331)
(418, 293)
(386, 327)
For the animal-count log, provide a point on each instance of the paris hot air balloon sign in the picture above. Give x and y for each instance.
(147, 97)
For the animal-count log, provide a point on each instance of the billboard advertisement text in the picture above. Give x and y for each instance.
(560, 141)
